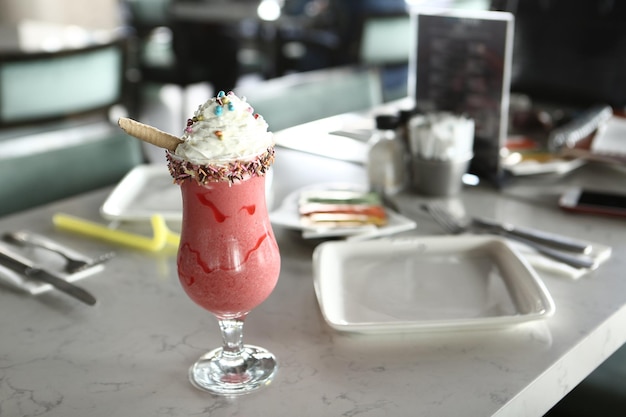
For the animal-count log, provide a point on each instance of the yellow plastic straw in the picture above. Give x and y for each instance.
(173, 239)
(162, 235)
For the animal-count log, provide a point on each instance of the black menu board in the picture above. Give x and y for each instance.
(461, 62)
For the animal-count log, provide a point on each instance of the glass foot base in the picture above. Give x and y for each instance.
(224, 374)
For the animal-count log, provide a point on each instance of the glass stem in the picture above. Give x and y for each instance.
(232, 336)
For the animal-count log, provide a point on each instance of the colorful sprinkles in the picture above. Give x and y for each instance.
(233, 171)
(223, 100)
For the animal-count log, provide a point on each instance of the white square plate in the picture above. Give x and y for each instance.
(146, 190)
(426, 283)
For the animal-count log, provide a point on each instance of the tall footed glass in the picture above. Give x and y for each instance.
(228, 263)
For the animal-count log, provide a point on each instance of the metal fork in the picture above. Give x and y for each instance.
(444, 218)
(72, 265)
(455, 225)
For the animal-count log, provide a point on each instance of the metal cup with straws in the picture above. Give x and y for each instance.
(441, 149)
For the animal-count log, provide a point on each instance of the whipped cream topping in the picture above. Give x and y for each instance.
(223, 129)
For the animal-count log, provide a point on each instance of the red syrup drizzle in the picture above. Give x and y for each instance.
(255, 247)
(250, 209)
(190, 280)
(219, 216)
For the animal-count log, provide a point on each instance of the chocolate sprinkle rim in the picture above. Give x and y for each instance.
(232, 171)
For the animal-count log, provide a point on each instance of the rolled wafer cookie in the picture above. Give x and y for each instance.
(149, 134)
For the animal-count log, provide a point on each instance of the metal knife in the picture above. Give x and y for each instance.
(25, 266)
(549, 239)
(74, 260)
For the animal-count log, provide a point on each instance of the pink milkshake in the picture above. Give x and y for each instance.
(228, 259)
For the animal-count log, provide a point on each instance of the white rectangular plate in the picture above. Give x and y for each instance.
(146, 190)
(287, 215)
(555, 166)
(426, 283)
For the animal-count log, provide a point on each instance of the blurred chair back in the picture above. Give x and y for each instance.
(56, 139)
(48, 86)
(150, 21)
(385, 40)
(162, 52)
(384, 43)
(146, 15)
(306, 96)
(48, 166)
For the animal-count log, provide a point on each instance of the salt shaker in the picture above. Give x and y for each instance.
(402, 131)
(386, 164)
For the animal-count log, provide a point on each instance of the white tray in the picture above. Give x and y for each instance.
(426, 283)
(146, 190)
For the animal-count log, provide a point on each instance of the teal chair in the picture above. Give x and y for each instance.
(166, 52)
(385, 39)
(153, 60)
(41, 87)
(384, 44)
(56, 139)
(302, 97)
(45, 167)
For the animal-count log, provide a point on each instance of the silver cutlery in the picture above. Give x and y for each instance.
(550, 239)
(29, 269)
(73, 263)
(546, 246)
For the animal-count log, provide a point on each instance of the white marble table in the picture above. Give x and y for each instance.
(129, 354)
